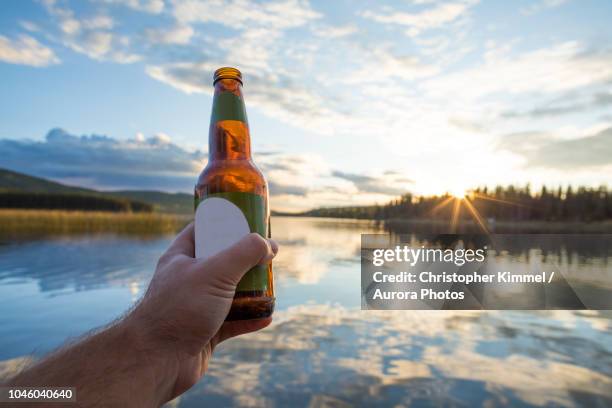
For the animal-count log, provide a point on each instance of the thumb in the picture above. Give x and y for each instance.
(232, 263)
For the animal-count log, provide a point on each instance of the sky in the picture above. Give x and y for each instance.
(348, 102)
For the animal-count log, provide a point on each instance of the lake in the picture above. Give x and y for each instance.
(321, 349)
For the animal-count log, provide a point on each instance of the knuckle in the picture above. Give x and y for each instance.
(164, 259)
(257, 242)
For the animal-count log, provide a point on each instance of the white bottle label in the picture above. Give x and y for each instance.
(219, 224)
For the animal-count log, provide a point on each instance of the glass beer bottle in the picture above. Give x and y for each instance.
(231, 195)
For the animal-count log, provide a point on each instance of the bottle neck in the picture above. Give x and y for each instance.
(228, 137)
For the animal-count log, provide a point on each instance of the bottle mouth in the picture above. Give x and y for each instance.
(227, 73)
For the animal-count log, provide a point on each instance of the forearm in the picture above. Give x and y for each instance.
(114, 367)
(163, 346)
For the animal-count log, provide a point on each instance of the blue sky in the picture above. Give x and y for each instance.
(349, 102)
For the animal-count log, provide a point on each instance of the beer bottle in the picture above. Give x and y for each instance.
(231, 195)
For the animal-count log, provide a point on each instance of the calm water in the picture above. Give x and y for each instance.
(321, 349)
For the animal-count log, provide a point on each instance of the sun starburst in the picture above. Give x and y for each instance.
(460, 198)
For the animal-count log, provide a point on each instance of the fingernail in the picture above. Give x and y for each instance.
(273, 246)
(272, 249)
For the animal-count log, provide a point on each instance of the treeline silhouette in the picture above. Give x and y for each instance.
(500, 203)
(69, 201)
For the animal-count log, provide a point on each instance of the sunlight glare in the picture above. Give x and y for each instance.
(458, 192)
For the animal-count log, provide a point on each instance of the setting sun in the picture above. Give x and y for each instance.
(458, 192)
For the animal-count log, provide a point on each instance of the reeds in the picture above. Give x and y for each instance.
(44, 222)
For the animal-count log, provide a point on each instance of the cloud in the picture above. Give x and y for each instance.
(558, 68)
(26, 50)
(382, 63)
(148, 6)
(103, 46)
(467, 124)
(99, 22)
(542, 149)
(253, 49)
(602, 99)
(242, 13)
(302, 181)
(398, 176)
(259, 48)
(544, 111)
(386, 184)
(292, 174)
(284, 189)
(90, 36)
(180, 34)
(98, 161)
(541, 5)
(335, 31)
(567, 104)
(277, 94)
(29, 26)
(434, 17)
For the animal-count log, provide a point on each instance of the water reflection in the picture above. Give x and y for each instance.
(319, 354)
(321, 349)
(581, 264)
(80, 263)
(310, 247)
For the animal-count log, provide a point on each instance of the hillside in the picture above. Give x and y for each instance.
(11, 180)
(177, 203)
(30, 200)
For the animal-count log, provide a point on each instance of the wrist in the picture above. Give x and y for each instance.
(158, 364)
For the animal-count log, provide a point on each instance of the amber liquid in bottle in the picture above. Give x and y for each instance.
(230, 169)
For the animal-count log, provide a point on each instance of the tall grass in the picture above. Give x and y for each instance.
(44, 222)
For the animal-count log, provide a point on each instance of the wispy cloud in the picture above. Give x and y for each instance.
(29, 26)
(430, 18)
(90, 35)
(148, 6)
(181, 34)
(542, 149)
(26, 50)
(560, 67)
(572, 103)
(335, 32)
(540, 5)
(312, 179)
(242, 13)
(258, 46)
(277, 94)
(382, 63)
(386, 183)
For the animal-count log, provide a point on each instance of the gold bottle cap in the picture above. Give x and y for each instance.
(227, 73)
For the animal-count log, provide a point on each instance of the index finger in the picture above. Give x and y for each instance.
(183, 243)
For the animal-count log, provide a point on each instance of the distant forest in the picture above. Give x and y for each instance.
(509, 203)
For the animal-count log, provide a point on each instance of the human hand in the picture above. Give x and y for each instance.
(163, 346)
(181, 318)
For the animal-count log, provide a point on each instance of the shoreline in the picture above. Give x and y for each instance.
(49, 222)
(468, 226)
(510, 227)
